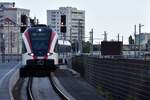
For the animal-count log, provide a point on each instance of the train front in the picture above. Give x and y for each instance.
(39, 51)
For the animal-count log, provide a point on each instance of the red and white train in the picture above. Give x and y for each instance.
(39, 50)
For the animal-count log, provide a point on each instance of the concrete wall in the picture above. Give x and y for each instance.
(123, 78)
(5, 58)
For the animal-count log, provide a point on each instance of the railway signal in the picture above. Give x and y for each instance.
(63, 28)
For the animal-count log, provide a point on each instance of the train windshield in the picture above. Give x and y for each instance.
(39, 41)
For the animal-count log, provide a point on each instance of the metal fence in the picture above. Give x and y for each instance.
(122, 78)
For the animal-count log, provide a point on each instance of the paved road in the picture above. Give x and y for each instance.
(6, 67)
(6, 70)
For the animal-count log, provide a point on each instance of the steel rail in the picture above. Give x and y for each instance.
(29, 89)
(57, 90)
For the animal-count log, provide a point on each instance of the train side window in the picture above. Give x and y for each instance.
(24, 50)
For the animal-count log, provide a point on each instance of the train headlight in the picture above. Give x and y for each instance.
(30, 54)
(48, 54)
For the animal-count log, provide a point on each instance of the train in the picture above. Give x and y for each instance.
(64, 51)
(39, 51)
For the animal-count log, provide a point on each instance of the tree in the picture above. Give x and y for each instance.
(34, 21)
(131, 40)
(86, 47)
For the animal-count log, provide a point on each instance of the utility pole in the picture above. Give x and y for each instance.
(135, 41)
(122, 38)
(70, 35)
(91, 38)
(8, 47)
(71, 39)
(118, 37)
(80, 36)
(3, 48)
(105, 36)
(18, 46)
(140, 38)
(11, 44)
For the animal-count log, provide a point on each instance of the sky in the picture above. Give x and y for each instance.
(112, 16)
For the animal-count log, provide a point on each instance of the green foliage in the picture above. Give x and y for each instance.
(131, 40)
(131, 97)
(103, 93)
(100, 90)
(108, 96)
(86, 47)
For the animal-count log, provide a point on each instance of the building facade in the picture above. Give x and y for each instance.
(74, 22)
(11, 20)
(142, 40)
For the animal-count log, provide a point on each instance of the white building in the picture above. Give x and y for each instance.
(11, 18)
(75, 22)
(144, 37)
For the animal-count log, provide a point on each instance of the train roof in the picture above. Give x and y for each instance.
(64, 42)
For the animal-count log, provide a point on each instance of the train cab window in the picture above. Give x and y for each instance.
(24, 50)
(39, 40)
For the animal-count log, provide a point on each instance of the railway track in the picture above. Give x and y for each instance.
(35, 90)
(58, 91)
(29, 89)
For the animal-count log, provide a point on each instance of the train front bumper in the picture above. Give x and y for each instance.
(38, 68)
(40, 62)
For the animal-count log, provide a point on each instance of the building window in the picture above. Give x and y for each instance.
(53, 15)
(53, 26)
(53, 12)
(53, 19)
(53, 22)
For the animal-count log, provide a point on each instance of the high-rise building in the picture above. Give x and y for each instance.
(12, 22)
(68, 22)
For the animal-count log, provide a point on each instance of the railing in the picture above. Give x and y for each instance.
(96, 55)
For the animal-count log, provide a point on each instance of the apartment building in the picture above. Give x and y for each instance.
(73, 19)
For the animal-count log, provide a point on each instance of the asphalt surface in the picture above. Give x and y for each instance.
(5, 75)
(6, 67)
(77, 87)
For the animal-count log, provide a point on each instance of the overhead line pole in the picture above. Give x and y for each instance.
(140, 38)
(91, 38)
(135, 41)
(118, 37)
(105, 36)
(80, 36)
